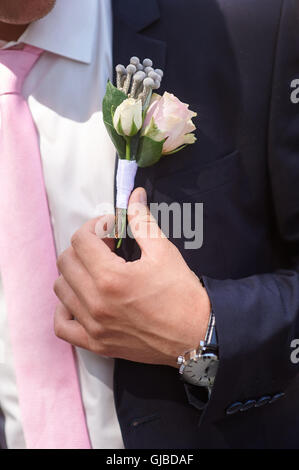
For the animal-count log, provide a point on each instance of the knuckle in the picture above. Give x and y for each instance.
(102, 349)
(56, 286)
(94, 345)
(108, 284)
(92, 327)
(76, 239)
(60, 261)
(94, 308)
(94, 331)
(57, 329)
(63, 259)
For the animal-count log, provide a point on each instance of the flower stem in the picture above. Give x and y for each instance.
(120, 225)
(128, 148)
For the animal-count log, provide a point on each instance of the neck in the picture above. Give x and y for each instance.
(11, 32)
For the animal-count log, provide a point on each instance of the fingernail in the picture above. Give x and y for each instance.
(143, 197)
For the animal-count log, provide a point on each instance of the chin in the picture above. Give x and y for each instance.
(18, 13)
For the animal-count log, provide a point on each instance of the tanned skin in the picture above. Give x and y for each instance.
(16, 15)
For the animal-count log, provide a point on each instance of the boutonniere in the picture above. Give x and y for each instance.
(143, 126)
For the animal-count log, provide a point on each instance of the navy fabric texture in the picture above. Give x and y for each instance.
(234, 63)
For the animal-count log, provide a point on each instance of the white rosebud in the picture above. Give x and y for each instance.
(127, 119)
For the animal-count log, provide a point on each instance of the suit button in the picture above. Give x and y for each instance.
(249, 404)
(234, 408)
(263, 401)
(277, 397)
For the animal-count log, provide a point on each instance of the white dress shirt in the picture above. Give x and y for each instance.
(65, 90)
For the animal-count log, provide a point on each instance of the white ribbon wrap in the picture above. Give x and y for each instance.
(125, 180)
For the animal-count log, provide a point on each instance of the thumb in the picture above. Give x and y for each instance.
(143, 225)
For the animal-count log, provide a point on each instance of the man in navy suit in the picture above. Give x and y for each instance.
(237, 64)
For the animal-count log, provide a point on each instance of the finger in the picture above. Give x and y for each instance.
(143, 225)
(68, 329)
(77, 276)
(104, 229)
(72, 303)
(94, 253)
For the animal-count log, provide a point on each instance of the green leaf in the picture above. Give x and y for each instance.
(134, 129)
(149, 152)
(119, 128)
(112, 99)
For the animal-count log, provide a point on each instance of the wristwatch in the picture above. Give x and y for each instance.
(199, 366)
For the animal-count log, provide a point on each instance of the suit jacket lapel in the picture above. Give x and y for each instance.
(130, 20)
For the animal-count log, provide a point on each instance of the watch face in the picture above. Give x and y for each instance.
(203, 371)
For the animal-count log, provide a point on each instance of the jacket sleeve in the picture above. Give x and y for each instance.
(257, 317)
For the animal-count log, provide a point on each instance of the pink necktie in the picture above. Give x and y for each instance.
(48, 387)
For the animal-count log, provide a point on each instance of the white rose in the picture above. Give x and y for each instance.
(127, 119)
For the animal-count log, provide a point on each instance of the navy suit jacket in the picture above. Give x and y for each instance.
(234, 62)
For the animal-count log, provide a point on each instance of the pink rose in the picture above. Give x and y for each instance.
(167, 117)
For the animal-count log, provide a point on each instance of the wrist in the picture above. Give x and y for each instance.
(203, 309)
(199, 366)
(196, 325)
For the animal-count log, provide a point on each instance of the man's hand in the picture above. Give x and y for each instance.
(150, 310)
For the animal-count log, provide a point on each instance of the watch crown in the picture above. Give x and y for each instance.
(180, 360)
